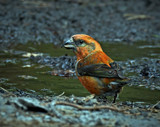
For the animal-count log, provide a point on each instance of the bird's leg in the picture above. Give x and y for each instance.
(115, 97)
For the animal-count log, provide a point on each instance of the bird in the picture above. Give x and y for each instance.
(96, 71)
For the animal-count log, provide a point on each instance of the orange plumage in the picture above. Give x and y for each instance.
(97, 72)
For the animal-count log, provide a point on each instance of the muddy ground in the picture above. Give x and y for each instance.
(52, 21)
(17, 108)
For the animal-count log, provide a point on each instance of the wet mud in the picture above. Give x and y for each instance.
(28, 107)
(33, 67)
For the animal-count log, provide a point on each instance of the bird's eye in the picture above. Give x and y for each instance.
(81, 41)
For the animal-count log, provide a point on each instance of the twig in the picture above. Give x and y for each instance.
(61, 94)
(155, 105)
(89, 108)
(9, 93)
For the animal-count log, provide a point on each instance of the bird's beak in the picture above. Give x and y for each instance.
(69, 44)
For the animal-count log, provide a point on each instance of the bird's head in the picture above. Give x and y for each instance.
(82, 45)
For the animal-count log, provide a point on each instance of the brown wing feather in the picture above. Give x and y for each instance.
(101, 71)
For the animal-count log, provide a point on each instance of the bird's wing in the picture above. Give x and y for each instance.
(101, 71)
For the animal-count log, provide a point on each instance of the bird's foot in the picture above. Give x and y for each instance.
(101, 99)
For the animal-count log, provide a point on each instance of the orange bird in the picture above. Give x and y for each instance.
(97, 72)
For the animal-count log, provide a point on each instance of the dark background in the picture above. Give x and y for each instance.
(51, 21)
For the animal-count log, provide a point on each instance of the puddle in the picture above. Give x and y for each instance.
(18, 71)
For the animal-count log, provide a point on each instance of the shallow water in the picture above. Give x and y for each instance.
(18, 71)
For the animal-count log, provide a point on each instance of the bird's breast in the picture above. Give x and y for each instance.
(92, 84)
(96, 85)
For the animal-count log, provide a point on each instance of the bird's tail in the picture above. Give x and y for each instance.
(120, 82)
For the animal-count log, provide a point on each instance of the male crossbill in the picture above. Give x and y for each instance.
(97, 72)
